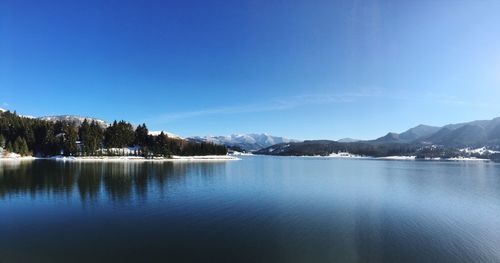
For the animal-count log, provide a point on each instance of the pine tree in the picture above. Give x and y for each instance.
(162, 148)
(2, 141)
(141, 135)
(20, 146)
(9, 147)
(23, 148)
(69, 140)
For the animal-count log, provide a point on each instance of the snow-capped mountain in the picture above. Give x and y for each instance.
(77, 120)
(2, 110)
(248, 142)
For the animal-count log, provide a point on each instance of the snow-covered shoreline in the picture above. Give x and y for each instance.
(174, 158)
(205, 158)
(409, 158)
(414, 158)
(395, 158)
(222, 158)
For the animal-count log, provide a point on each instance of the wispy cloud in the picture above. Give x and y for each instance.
(277, 104)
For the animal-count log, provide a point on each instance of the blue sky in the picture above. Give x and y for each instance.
(301, 69)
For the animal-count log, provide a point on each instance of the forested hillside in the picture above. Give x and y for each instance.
(38, 137)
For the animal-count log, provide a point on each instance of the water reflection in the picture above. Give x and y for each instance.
(89, 182)
(259, 209)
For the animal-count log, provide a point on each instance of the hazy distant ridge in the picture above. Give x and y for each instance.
(248, 142)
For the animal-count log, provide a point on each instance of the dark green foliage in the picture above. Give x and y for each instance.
(325, 147)
(9, 147)
(91, 136)
(141, 135)
(161, 145)
(119, 134)
(20, 146)
(436, 152)
(236, 149)
(2, 141)
(69, 138)
(27, 136)
(203, 148)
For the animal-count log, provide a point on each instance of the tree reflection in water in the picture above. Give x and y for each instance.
(117, 182)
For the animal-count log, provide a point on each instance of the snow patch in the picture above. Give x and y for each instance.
(206, 158)
(236, 153)
(398, 158)
(480, 151)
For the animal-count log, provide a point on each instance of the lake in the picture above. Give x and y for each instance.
(259, 209)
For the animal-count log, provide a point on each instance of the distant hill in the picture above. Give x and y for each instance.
(474, 134)
(247, 142)
(426, 140)
(348, 140)
(314, 147)
(415, 133)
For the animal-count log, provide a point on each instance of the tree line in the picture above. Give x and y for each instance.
(30, 136)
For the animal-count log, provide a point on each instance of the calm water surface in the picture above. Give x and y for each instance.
(259, 209)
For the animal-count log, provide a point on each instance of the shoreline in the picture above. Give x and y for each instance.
(394, 158)
(223, 158)
(174, 158)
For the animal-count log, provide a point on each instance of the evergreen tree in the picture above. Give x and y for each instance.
(45, 138)
(91, 136)
(141, 135)
(97, 135)
(162, 148)
(69, 140)
(119, 134)
(9, 147)
(20, 146)
(2, 141)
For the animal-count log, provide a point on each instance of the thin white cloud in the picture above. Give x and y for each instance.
(274, 105)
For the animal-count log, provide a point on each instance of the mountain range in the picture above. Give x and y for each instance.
(474, 134)
(467, 134)
(422, 139)
(248, 142)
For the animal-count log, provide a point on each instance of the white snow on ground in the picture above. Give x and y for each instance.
(236, 153)
(207, 158)
(204, 158)
(481, 151)
(398, 158)
(14, 156)
(344, 155)
(467, 159)
(409, 158)
(122, 151)
(337, 155)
